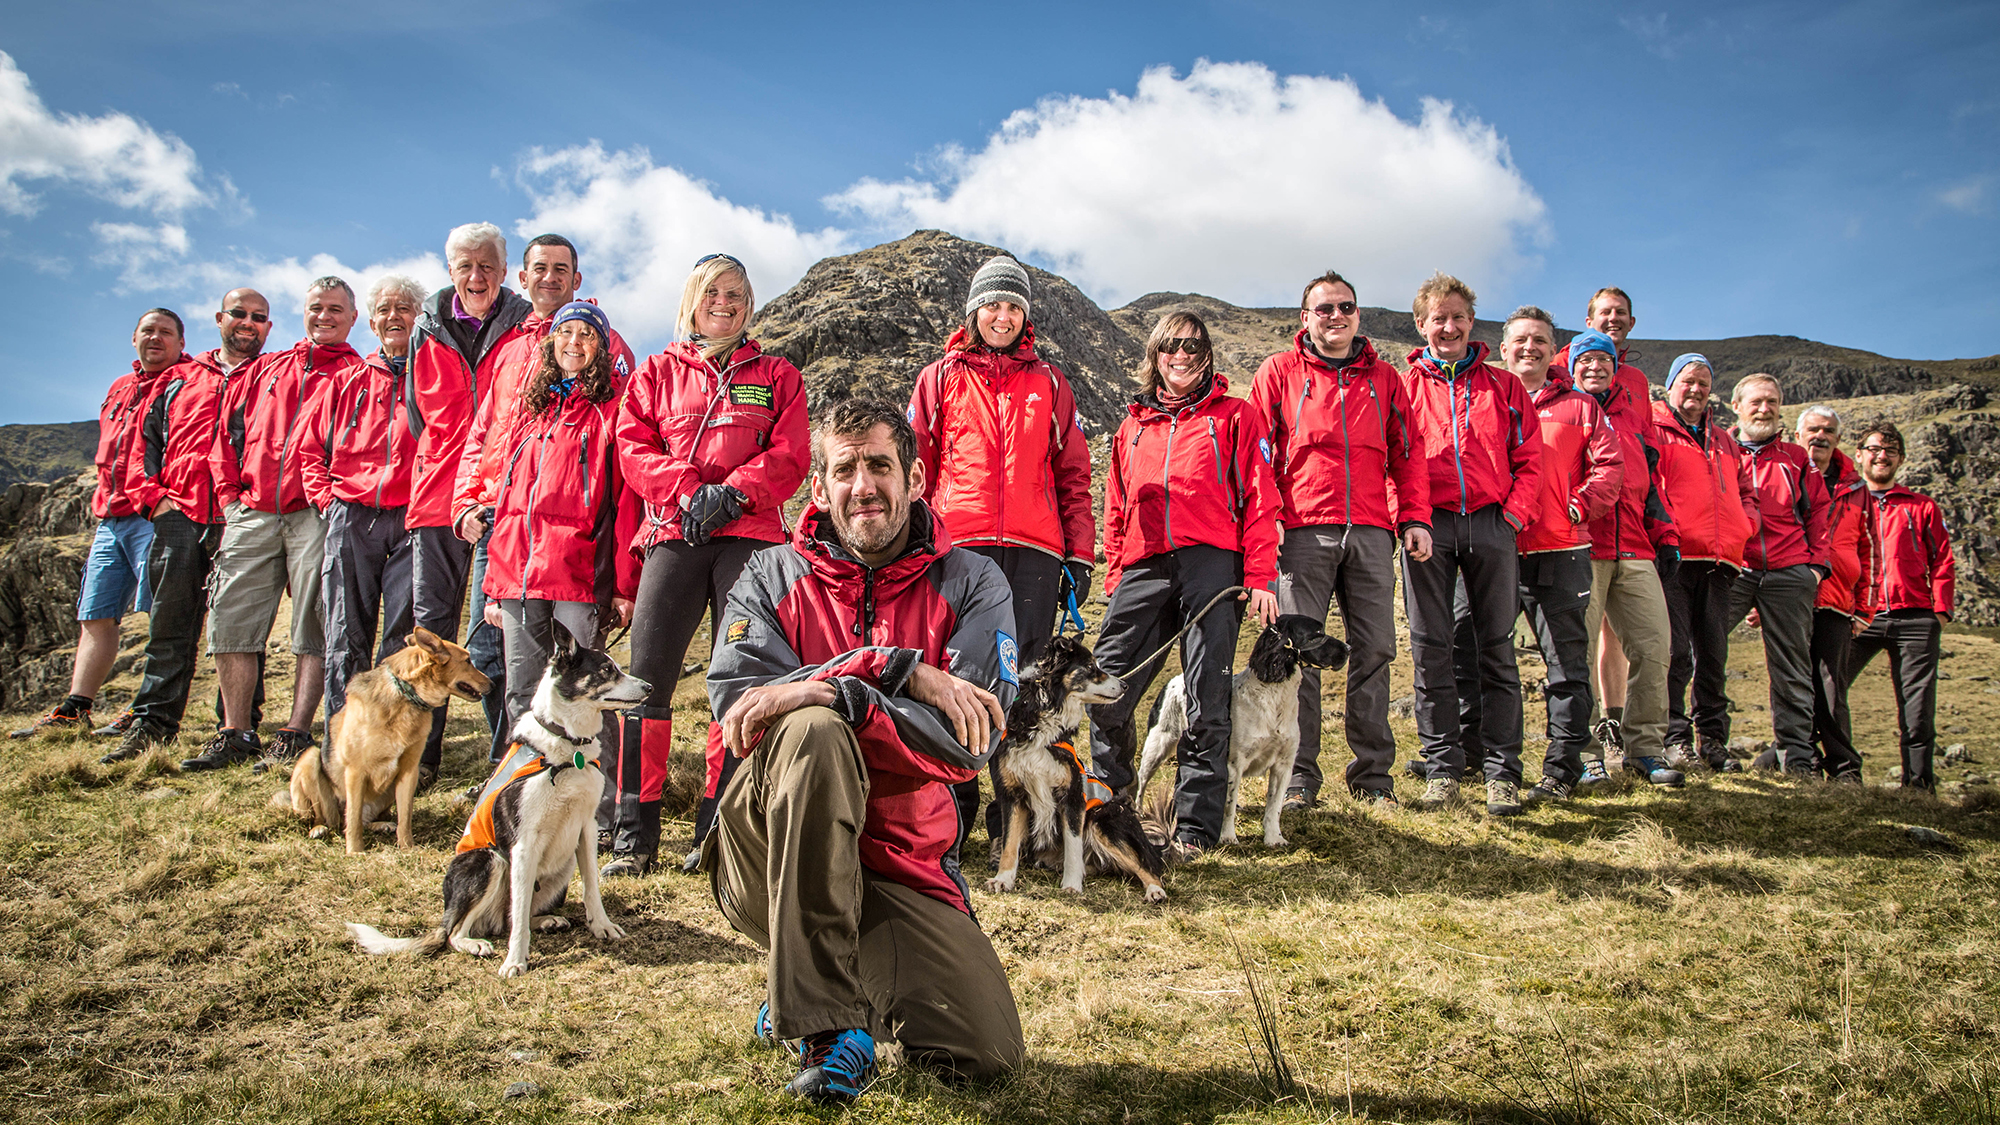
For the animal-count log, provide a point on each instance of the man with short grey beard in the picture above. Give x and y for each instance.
(1786, 559)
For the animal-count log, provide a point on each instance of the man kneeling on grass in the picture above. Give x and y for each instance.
(864, 668)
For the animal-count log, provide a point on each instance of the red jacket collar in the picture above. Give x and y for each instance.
(814, 538)
(1558, 385)
(1023, 351)
(1475, 354)
(1364, 358)
(1143, 406)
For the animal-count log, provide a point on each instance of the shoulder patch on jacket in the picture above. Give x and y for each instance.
(738, 629)
(1010, 657)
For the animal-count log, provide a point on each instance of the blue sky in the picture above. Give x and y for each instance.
(1827, 171)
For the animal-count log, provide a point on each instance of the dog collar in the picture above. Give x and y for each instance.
(559, 732)
(404, 689)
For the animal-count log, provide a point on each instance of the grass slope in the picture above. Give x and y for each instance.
(1744, 950)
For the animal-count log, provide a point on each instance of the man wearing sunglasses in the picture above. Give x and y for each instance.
(1341, 431)
(1919, 578)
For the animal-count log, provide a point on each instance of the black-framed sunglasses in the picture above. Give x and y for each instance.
(730, 258)
(1192, 345)
(1344, 308)
(255, 317)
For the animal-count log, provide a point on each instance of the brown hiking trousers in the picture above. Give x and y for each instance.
(850, 948)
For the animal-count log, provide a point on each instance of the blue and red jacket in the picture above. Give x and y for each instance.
(1479, 429)
(1583, 467)
(176, 436)
(1344, 442)
(256, 450)
(1640, 522)
(808, 610)
(451, 370)
(1792, 507)
(119, 457)
(357, 445)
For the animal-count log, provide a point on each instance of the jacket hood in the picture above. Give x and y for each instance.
(814, 538)
(1361, 358)
(1559, 384)
(1475, 354)
(1145, 405)
(690, 352)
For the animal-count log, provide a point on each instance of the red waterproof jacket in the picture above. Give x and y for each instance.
(1918, 571)
(448, 376)
(1791, 497)
(1854, 551)
(1627, 376)
(562, 512)
(1344, 443)
(1004, 451)
(176, 438)
(1583, 467)
(1201, 475)
(1477, 430)
(357, 445)
(1640, 523)
(118, 440)
(264, 410)
(808, 610)
(685, 424)
(517, 357)
(1709, 488)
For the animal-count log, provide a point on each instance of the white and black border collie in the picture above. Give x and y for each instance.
(1263, 717)
(1053, 802)
(535, 824)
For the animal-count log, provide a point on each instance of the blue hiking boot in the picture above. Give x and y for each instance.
(767, 1035)
(835, 1066)
(1656, 771)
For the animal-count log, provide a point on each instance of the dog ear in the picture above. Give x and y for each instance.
(564, 648)
(428, 641)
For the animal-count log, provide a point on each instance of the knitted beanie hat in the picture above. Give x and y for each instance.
(1000, 279)
(588, 313)
(1591, 341)
(1682, 362)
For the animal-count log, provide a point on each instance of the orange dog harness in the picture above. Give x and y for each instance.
(479, 830)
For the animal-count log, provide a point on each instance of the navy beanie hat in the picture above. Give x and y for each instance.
(1681, 363)
(1591, 341)
(584, 311)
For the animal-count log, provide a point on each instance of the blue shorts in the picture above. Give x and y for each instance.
(116, 570)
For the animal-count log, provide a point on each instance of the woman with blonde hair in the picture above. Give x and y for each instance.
(1190, 510)
(712, 437)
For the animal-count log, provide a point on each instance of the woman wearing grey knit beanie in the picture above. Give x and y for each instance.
(1009, 464)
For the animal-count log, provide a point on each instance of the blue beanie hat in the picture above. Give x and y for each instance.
(1591, 341)
(584, 311)
(1682, 361)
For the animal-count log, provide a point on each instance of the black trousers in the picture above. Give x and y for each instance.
(1698, 611)
(1783, 599)
(1832, 644)
(1555, 594)
(177, 569)
(1155, 596)
(1478, 546)
(364, 585)
(1036, 579)
(1354, 565)
(439, 561)
(1912, 639)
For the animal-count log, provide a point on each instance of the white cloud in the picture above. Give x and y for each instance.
(283, 283)
(1967, 196)
(114, 157)
(139, 250)
(1231, 181)
(639, 227)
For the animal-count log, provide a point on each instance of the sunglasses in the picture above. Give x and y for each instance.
(730, 258)
(1344, 308)
(239, 314)
(1192, 345)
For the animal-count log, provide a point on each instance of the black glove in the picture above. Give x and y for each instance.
(1667, 560)
(1075, 580)
(710, 508)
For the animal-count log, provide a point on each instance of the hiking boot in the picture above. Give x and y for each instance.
(1716, 757)
(225, 748)
(691, 862)
(1439, 792)
(767, 1035)
(1503, 798)
(1415, 768)
(1297, 799)
(1766, 761)
(1548, 789)
(1656, 771)
(1681, 756)
(834, 1066)
(627, 865)
(1594, 775)
(56, 721)
(1610, 734)
(1384, 799)
(119, 725)
(285, 748)
(137, 741)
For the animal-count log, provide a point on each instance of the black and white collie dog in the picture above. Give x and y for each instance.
(536, 822)
(1263, 717)
(1053, 800)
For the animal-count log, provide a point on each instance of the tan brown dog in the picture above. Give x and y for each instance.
(374, 743)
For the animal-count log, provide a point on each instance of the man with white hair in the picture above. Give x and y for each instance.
(1846, 600)
(451, 369)
(1785, 561)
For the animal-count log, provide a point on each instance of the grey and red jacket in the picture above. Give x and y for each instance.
(118, 440)
(517, 359)
(808, 610)
(685, 424)
(1918, 571)
(449, 374)
(256, 450)
(1583, 466)
(1629, 378)
(562, 512)
(1853, 549)
(1197, 475)
(1706, 479)
(1640, 522)
(357, 446)
(1792, 508)
(177, 436)
(1004, 450)
(1344, 442)
(1478, 429)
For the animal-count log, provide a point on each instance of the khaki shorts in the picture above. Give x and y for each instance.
(261, 554)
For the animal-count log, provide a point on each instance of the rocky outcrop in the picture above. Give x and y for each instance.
(46, 453)
(41, 573)
(864, 324)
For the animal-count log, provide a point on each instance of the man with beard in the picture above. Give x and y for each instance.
(1846, 600)
(1919, 581)
(1785, 561)
(865, 667)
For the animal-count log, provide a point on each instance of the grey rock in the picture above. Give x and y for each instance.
(1404, 707)
(1924, 835)
(1957, 752)
(525, 1056)
(521, 1090)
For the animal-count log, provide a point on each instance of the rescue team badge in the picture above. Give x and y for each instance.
(738, 629)
(751, 394)
(1010, 658)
